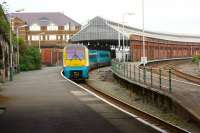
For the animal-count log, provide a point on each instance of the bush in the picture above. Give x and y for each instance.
(196, 58)
(30, 59)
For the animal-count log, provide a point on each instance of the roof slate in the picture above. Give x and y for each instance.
(52, 17)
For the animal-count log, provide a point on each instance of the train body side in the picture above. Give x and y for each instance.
(99, 58)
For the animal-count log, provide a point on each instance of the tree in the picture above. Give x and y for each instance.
(22, 46)
(4, 25)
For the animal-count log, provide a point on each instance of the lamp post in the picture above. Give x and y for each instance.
(18, 66)
(11, 45)
(40, 40)
(123, 16)
(11, 51)
(143, 58)
(119, 39)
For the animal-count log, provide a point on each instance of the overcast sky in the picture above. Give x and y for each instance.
(173, 16)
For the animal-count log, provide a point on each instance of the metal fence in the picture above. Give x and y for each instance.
(159, 78)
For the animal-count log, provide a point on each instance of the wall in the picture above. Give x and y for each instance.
(161, 49)
(52, 56)
(4, 59)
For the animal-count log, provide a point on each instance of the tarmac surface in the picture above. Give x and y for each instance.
(43, 102)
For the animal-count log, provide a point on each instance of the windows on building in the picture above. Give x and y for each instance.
(35, 37)
(63, 37)
(67, 37)
(29, 37)
(72, 27)
(41, 37)
(52, 37)
(52, 27)
(35, 27)
(44, 19)
(66, 27)
(58, 37)
(46, 37)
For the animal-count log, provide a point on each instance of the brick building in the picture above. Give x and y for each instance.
(100, 33)
(49, 31)
(163, 46)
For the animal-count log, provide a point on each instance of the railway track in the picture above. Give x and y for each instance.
(140, 115)
(183, 75)
(165, 126)
(186, 76)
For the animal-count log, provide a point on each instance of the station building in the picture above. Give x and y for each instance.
(49, 31)
(100, 33)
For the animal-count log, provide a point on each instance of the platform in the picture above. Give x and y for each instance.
(184, 93)
(43, 102)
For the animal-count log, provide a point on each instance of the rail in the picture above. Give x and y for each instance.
(186, 76)
(168, 127)
(154, 121)
(159, 78)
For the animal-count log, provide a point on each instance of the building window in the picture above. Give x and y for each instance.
(41, 37)
(52, 37)
(66, 27)
(63, 37)
(35, 37)
(59, 37)
(35, 27)
(72, 27)
(46, 37)
(52, 27)
(67, 37)
(44, 19)
(29, 38)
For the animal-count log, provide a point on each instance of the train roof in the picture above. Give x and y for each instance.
(75, 46)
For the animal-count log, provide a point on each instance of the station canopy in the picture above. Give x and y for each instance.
(101, 30)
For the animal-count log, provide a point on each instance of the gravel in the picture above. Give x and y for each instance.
(103, 79)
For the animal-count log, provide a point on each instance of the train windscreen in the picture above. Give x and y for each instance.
(75, 54)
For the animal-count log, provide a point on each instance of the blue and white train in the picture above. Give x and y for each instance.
(77, 60)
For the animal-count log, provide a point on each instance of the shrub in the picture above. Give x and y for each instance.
(30, 59)
(196, 58)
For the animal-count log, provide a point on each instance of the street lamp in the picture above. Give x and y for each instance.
(18, 45)
(11, 50)
(40, 40)
(19, 10)
(11, 45)
(143, 58)
(123, 16)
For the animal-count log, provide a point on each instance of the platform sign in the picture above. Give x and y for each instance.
(143, 60)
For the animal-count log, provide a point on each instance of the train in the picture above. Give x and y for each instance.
(78, 61)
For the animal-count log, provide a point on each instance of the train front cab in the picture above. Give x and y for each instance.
(76, 72)
(76, 69)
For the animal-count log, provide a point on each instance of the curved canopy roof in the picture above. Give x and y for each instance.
(102, 29)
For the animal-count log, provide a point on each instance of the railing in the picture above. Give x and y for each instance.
(160, 78)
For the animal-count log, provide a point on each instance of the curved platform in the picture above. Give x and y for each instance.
(43, 102)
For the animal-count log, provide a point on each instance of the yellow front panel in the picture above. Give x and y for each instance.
(75, 62)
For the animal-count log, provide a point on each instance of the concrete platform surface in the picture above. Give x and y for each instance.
(43, 102)
(185, 93)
